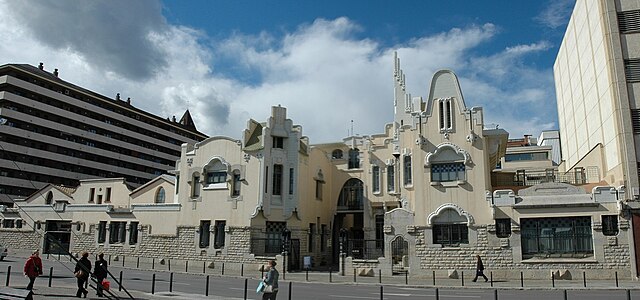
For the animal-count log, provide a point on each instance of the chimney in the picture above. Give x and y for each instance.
(118, 96)
(41, 66)
(55, 72)
(174, 119)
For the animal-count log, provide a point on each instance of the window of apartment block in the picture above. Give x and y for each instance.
(237, 184)
(102, 232)
(277, 180)
(448, 172)
(160, 195)
(291, 181)
(375, 178)
(133, 233)
(92, 193)
(354, 159)
(391, 178)
(567, 236)
(205, 234)
(117, 232)
(610, 225)
(503, 228)
(218, 240)
(108, 195)
(450, 234)
(312, 237)
(278, 142)
(323, 238)
(407, 170)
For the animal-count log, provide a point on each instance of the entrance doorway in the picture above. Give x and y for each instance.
(57, 237)
(399, 255)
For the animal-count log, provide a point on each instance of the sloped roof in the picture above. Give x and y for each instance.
(166, 177)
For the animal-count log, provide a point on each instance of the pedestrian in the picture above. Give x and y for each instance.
(480, 270)
(100, 272)
(271, 281)
(83, 268)
(33, 268)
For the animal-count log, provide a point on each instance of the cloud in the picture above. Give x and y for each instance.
(322, 72)
(556, 13)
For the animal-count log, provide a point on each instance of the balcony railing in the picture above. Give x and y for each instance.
(529, 178)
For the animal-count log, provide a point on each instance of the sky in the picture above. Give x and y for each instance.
(328, 62)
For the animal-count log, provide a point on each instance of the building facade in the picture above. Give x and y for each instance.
(56, 132)
(416, 198)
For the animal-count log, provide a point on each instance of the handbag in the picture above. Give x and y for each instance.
(268, 288)
(260, 287)
(79, 274)
(105, 284)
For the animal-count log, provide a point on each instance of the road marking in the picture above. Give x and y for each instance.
(401, 295)
(352, 297)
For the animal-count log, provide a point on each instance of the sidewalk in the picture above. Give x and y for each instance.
(68, 293)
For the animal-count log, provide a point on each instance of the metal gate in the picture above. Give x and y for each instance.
(294, 255)
(399, 255)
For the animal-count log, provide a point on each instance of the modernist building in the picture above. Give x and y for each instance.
(417, 197)
(56, 132)
(597, 75)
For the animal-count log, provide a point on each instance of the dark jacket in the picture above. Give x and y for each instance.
(85, 265)
(480, 266)
(100, 269)
(33, 266)
(272, 278)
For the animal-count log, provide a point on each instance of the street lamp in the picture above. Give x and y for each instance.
(286, 237)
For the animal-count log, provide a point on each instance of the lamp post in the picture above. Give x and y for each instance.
(344, 233)
(286, 237)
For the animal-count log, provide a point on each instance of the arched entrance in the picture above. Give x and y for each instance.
(399, 255)
(349, 216)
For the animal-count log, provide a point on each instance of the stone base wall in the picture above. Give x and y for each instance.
(21, 242)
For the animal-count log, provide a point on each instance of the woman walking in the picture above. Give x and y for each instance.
(83, 268)
(33, 268)
(271, 280)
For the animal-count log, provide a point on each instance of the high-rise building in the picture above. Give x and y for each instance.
(56, 132)
(597, 76)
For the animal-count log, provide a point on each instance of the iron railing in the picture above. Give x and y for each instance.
(266, 246)
(530, 178)
(365, 249)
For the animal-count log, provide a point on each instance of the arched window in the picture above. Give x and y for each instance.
(336, 154)
(354, 158)
(215, 173)
(352, 195)
(450, 228)
(49, 198)
(444, 107)
(160, 195)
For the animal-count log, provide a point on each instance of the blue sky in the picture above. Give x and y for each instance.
(328, 62)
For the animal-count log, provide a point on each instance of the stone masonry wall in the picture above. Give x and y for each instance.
(20, 241)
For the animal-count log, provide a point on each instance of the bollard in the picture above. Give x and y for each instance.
(123, 257)
(262, 272)
(495, 294)
(437, 294)
(242, 270)
(47, 255)
(628, 294)
(50, 275)
(8, 275)
(462, 277)
(553, 280)
(491, 275)
(381, 293)
(616, 278)
(153, 284)
(169, 264)
(171, 282)
(584, 279)
(406, 277)
(186, 266)
(307, 274)
(521, 279)
(289, 290)
(246, 282)
(204, 267)
(379, 275)
(330, 279)
(222, 268)
(434, 278)
(565, 295)
(138, 263)
(120, 282)
(153, 263)
(354, 274)
(206, 289)
(109, 258)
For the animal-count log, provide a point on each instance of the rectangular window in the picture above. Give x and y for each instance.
(632, 69)
(108, 195)
(323, 237)
(99, 199)
(450, 234)
(214, 177)
(610, 225)
(447, 172)
(291, 181)
(277, 180)
(102, 232)
(379, 231)
(375, 177)
(8, 223)
(237, 184)
(407, 170)
(117, 232)
(273, 242)
(526, 156)
(19, 223)
(391, 178)
(560, 237)
(205, 234)
(503, 228)
(133, 233)
(266, 179)
(318, 189)
(278, 142)
(92, 193)
(312, 237)
(177, 183)
(629, 21)
(218, 241)
(195, 187)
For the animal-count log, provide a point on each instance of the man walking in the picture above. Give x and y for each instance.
(480, 270)
(100, 271)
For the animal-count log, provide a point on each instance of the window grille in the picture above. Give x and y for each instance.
(629, 21)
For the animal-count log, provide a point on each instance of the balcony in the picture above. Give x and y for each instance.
(524, 178)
